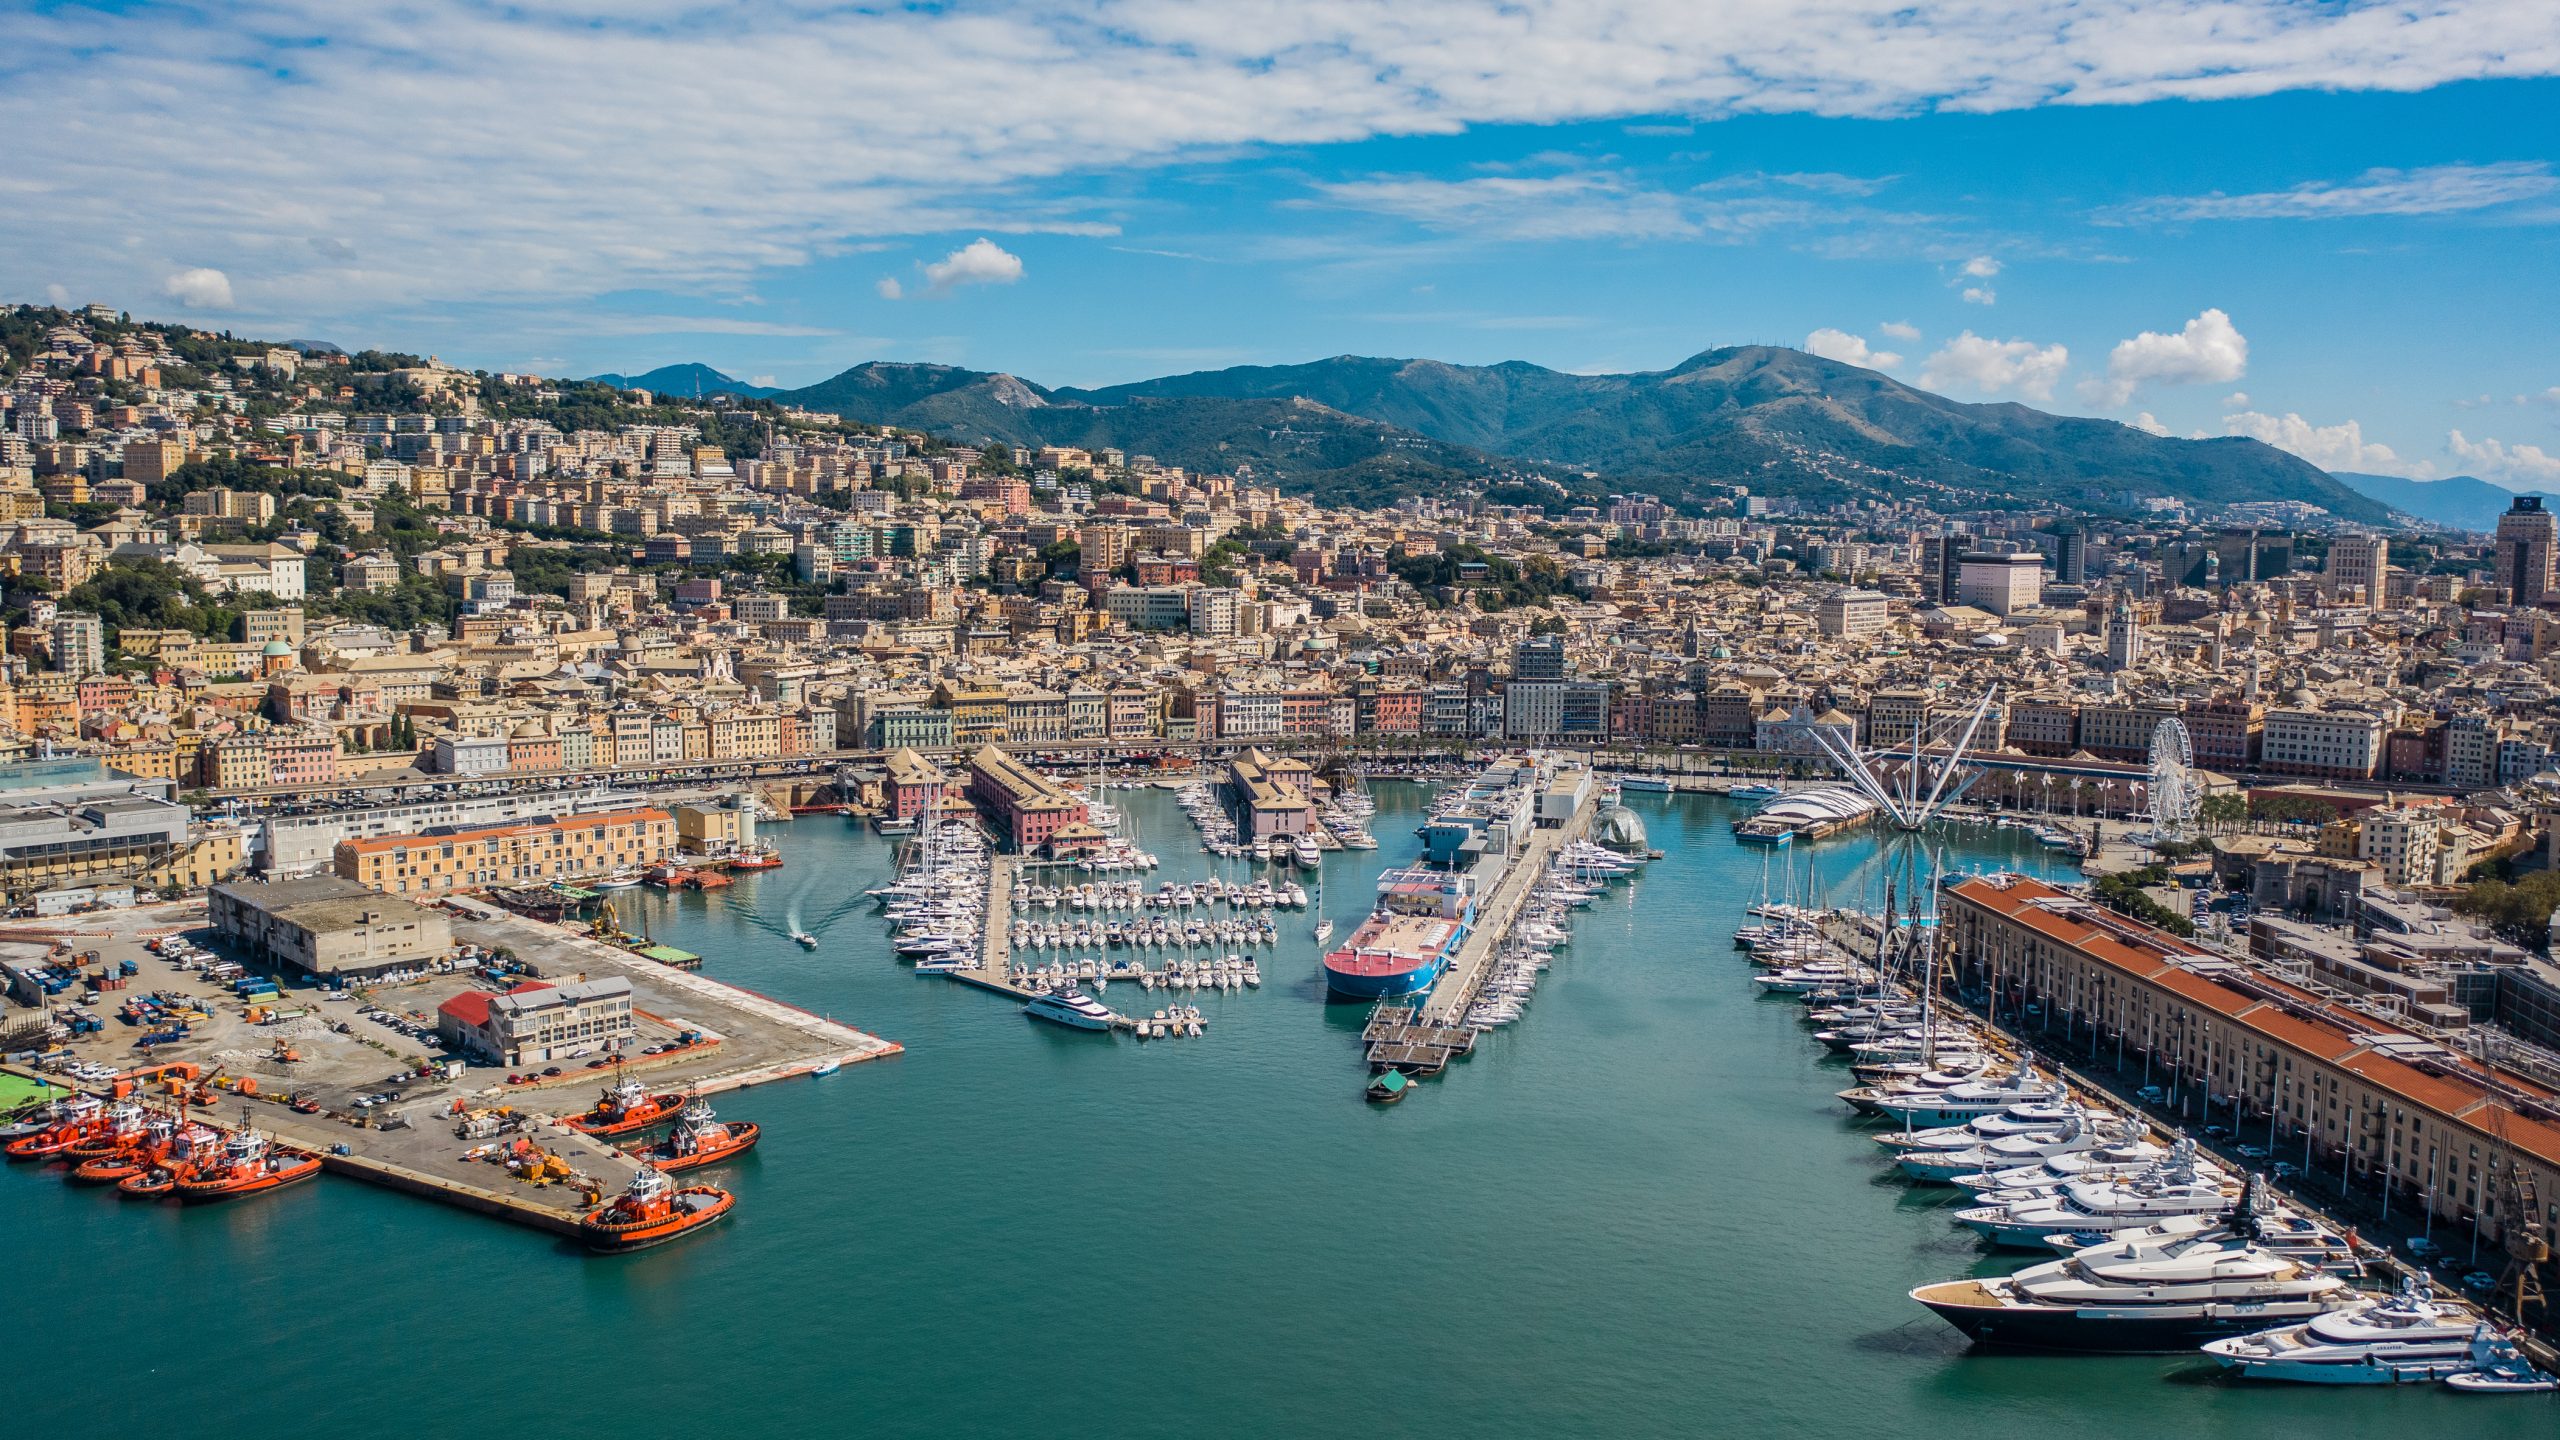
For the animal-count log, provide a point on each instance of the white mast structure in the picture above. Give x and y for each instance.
(1912, 809)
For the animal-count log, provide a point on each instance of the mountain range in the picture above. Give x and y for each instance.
(2459, 502)
(1355, 428)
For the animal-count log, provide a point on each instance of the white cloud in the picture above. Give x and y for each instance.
(1900, 330)
(2209, 350)
(2513, 465)
(1849, 349)
(1993, 367)
(2434, 190)
(1981, 295)
(2149, 422)
(60, 295)
(890, 289)
(2331, 447)
(980, 262)
(794, 130)
(199, 289)
(1980, 267)
(764, 382)
(2236, 400)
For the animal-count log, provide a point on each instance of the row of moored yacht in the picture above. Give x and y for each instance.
(1109, 895)
(938, 903)
(2155, 1247)
(1146, 933)
(1575, 877)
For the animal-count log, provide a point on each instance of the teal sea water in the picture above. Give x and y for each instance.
(1639, 1212)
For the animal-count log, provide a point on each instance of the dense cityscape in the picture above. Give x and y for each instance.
(1112, 720)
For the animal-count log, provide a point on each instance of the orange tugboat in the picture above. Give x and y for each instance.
(129, 1159)
(247, 1164)
(156, 1174)
(652, 1212)
(700, 1139)
(127, 1125)
(80, 1117)
(764, 858)
(625, 1107)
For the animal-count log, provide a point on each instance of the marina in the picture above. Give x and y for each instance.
(1727, 1168)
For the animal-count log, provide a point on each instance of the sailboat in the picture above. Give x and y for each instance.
(1324, 922)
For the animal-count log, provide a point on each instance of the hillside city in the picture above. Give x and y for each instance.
(273, 606)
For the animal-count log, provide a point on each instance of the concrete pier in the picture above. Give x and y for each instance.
(1496, 913)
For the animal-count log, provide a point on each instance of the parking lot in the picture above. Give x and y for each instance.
(370, 1053)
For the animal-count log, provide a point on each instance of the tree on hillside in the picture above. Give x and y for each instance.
(152, 595)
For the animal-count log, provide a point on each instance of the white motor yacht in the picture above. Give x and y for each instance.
(2078, 1135)
(2161, 1297)
(2175, 1187)
(1071, 1007)
(2404, 1338)
(1925, 1104)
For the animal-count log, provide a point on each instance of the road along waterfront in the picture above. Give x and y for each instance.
(1640, 1212)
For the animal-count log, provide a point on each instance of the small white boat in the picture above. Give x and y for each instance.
(618, 880)
(829, 1068)
(804, 939)
(2498, 1367)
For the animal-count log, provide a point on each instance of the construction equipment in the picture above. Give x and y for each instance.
(2521, 1230)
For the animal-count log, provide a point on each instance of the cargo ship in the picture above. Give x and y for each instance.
(1420, 921)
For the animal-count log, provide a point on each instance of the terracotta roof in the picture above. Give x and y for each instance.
(2464, 1098)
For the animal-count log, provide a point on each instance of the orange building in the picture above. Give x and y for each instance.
(448, 858)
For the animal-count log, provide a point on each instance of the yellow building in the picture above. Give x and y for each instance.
(977, 714)
(149, 760)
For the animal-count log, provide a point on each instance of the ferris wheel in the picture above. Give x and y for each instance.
(2175, 790)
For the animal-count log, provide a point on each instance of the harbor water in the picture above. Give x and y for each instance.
(1637, 1212)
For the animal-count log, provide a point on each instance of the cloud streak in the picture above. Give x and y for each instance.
(2435, 190)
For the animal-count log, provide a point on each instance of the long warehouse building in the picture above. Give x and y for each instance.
(2386, 1101)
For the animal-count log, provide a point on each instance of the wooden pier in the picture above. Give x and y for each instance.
(1398, 1040)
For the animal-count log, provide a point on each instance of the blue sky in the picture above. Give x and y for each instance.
(2333, 226)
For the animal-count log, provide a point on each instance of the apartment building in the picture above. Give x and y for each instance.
(533, 852)
(1852, 614)
(2324, 744)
